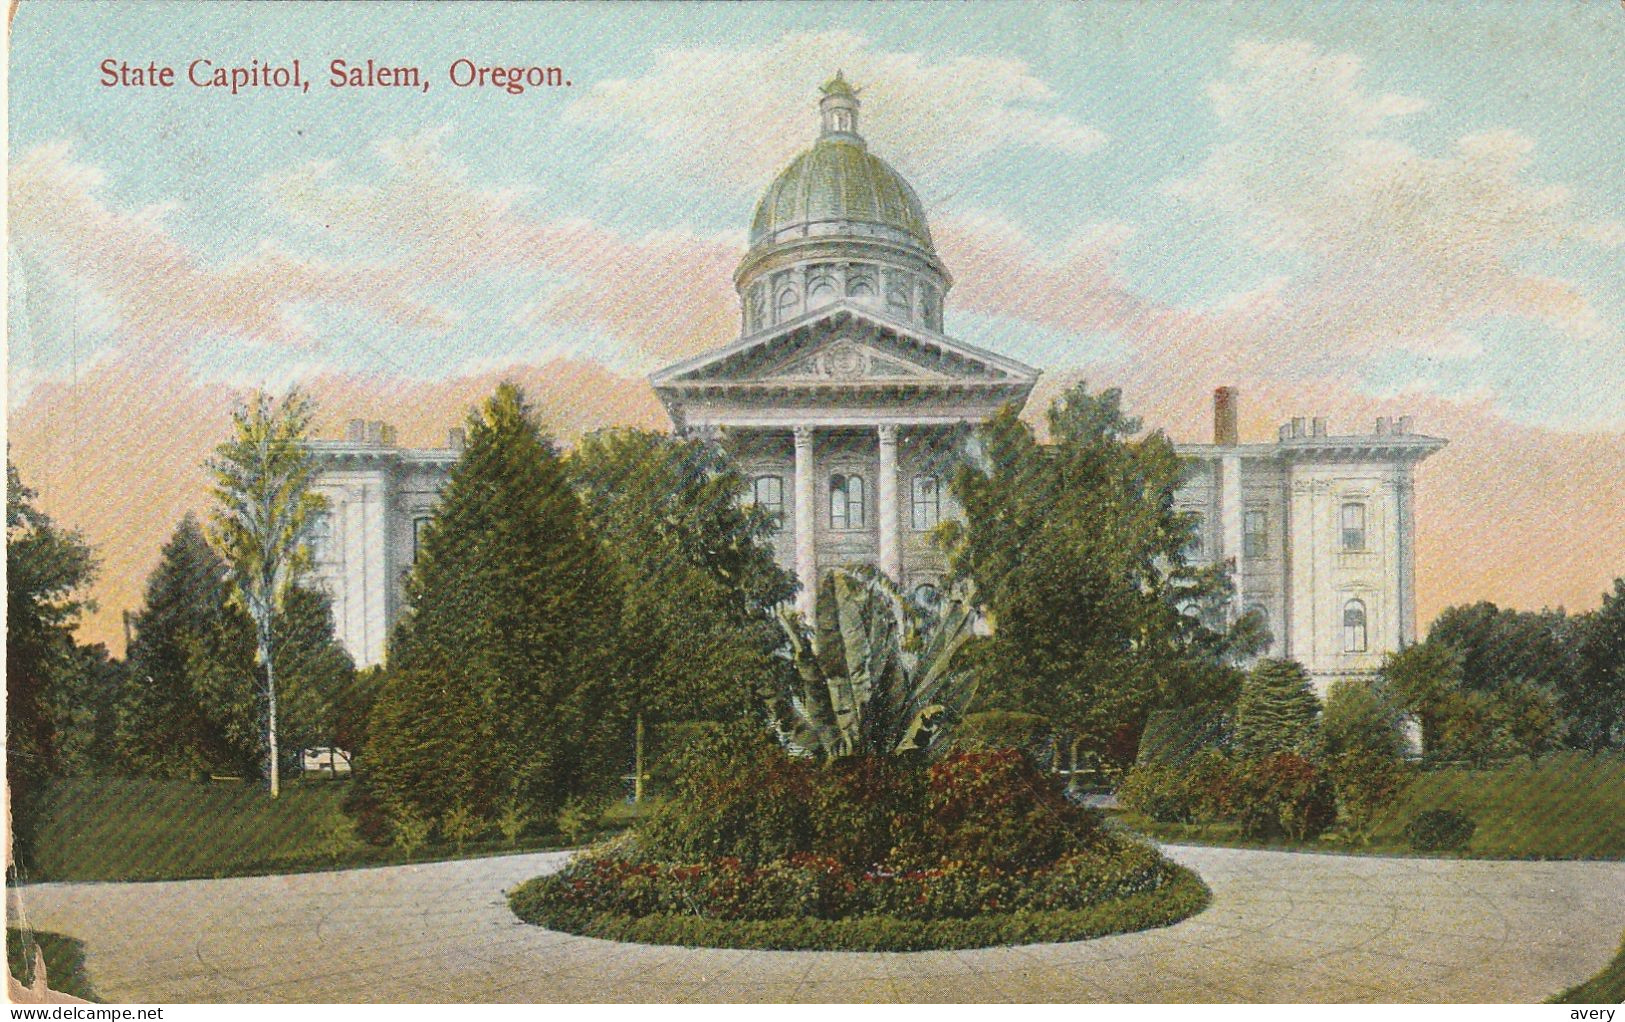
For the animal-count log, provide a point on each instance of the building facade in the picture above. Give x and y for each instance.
(846, 405)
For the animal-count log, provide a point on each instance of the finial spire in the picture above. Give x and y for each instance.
(839, 109)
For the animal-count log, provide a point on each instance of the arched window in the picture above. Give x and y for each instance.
(897, 298)
(860, 282)
(768, 492)
(846, 502)
(320, 537)
(420, 531)
(786, 306)
(821, 288)
(1353, 520)
(930, 315)
(1354, 627)
(1257, 609)
(927, 597)
(927, 503)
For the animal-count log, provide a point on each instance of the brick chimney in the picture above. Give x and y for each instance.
(356, 431)
(456, 438)
(1225, 402)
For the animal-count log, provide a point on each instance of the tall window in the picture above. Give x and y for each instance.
(768, 492)
(1353, 526)
(1192, 550)
(786, 306)
(321, 537)
(1255, 535)
(1354, 627)
(420, 533)
(927, 503)
(846, 502)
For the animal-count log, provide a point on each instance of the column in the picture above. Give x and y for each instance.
(1232, 515)
(891, 552)
(806, 509)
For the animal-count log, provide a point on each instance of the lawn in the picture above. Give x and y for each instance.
(1569, 805)
(1606, 987)
(142, 829)
(64, 961)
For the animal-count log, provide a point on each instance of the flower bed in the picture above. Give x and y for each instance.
(776, 853)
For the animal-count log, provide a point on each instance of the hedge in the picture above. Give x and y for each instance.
(1182, 896)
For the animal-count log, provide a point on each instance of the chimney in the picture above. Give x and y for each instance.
(356, 431)
(1297, 426)
(1382, 426)
(1225, 402)
(375, 432)
(1404, 426)
(1318, 426)
(1285, 432)
(456, 438)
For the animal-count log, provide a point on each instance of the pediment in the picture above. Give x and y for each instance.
(845, 345)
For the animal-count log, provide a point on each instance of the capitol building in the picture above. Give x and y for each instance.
(844, 402)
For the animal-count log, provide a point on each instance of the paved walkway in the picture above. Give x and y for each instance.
(1283, 927)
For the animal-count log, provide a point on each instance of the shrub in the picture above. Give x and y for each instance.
(1359, 717)
(576, 820)
(1164, 793)
(1276, 709)
(860, 804)
(1440, 830)
(991, 730)
(409, 829)
(1284, 793)
(999, 809)
(1366, 783)
(513, 819)
(752, 803)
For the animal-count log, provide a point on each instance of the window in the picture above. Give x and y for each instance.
(1353, 526)
(859, 283)
(1354, 627)
(420, 533)
(1192, 550)
(821, 288)
(1255, 536)
(846, 502)
(927, 597)
(768, 492)
(927, 503)
(320, 537)
(786, 306)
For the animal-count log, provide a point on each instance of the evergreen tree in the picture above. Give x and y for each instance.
(45, 568)
(191, 649)
(504, 667)
(1075, 552)
(698, 582)
(1594, 697)
(1276, 709)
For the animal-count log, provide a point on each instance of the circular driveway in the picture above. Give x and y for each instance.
(1282, 927)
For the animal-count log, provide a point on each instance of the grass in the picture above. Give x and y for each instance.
(1606, 987)
(119, 829)
(64, 961)
(1569, 805)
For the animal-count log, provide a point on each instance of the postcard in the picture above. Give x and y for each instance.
(832, 502)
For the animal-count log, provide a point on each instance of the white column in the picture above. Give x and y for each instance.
(1232, 513)
(891, 552)
(806, 510)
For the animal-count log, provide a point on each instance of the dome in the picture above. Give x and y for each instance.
(835, 183)
(839, 187)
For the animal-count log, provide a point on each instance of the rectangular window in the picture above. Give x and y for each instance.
(321, 537)
(420, 529)
(1255, 536)
(1192, 550)
(768, 492)
(927, 503)
(845, 502)
(1353, 526)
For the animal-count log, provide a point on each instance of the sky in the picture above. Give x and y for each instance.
(1349, 211)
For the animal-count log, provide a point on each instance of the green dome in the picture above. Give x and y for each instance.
(838, 181)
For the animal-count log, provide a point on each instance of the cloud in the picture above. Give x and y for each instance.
(738, 116)
(1404, 250)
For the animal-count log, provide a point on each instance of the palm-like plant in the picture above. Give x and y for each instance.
(877, 675)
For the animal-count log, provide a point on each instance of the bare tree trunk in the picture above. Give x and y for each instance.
(637, 766)
(270, 728)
